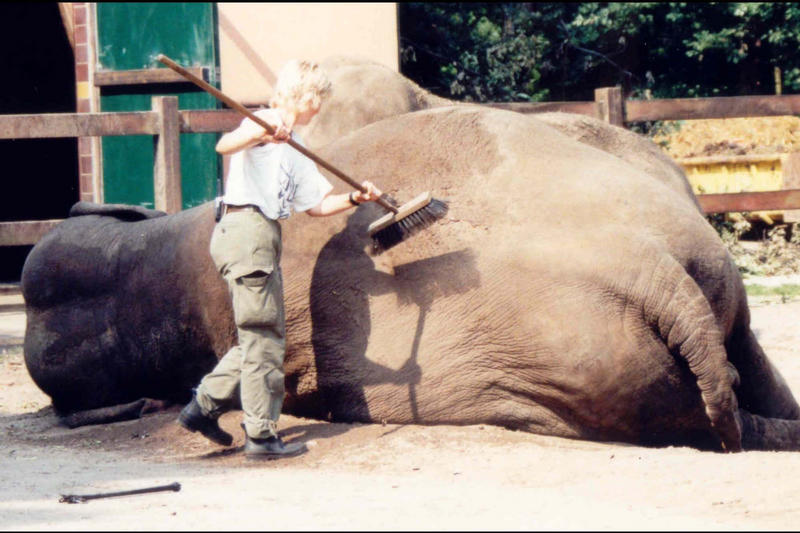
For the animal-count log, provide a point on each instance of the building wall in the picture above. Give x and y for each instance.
(256, 39)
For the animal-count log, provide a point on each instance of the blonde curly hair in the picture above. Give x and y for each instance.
(300, 82)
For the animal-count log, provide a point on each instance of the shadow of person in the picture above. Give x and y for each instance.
(343, 280)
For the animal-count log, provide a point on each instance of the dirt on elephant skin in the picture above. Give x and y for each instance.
(382, 477)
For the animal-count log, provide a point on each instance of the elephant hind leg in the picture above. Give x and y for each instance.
(762, 390)
(114, 413)
(769, 434)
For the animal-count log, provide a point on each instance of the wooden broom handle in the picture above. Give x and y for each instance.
(249, 114)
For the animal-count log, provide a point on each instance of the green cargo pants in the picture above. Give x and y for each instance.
(246, 248)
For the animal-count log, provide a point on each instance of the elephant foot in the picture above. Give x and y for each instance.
(769, 434)
(114, 413)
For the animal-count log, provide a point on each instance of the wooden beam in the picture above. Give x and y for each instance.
(731, 159)
(582, 108)
(144, 76)
(719, 107)
(201, 121)
(25, 232)
(52, 125)
(167, 146)
(750, 201)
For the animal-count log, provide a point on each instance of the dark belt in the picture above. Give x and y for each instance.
(236, 208)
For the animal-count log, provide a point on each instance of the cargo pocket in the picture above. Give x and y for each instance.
(257, 298)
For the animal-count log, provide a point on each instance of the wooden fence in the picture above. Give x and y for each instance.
(165, 122)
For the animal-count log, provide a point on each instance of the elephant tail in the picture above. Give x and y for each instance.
(675, 307)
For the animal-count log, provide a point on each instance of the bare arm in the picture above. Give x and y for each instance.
(336, 203)
(250, 134)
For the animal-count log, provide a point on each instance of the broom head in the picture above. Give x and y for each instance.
(411, 217)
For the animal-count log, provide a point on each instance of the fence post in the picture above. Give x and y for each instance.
(167, 155)
(610, 105)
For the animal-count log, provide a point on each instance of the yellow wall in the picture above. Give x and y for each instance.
(256, 39)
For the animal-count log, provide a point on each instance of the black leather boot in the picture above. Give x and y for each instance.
(271, 448)
(193, 419)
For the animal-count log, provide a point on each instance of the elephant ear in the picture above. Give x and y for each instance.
(126, 213)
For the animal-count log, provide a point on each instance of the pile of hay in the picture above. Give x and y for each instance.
(729, 136)
(763, 251)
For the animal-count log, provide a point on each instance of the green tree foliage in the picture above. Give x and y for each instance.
(480, 52)
(563, 51)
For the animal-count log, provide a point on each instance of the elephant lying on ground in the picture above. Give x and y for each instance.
(566, 293)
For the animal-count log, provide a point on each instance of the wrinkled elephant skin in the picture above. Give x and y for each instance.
(567, 292)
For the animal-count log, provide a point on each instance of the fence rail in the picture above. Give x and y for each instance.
(54, 125)
(165, 122)
(627, 111)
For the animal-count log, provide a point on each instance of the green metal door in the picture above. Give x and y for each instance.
(130, 36)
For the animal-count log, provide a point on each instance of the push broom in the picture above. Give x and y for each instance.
(391, 229)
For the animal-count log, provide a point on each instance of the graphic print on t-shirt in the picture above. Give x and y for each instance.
(286, 193)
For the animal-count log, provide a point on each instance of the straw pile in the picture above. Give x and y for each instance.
(730, 136)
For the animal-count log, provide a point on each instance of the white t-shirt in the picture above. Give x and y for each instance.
(275, 177)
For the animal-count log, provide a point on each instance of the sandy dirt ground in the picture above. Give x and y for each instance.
(378, 477)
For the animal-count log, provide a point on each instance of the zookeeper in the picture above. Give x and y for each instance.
(267, 180)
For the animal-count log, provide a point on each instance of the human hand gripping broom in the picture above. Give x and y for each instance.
(391, 229)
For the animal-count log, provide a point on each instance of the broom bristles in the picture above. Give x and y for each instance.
(402, 229)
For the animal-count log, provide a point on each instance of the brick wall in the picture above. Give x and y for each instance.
(89, 167)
